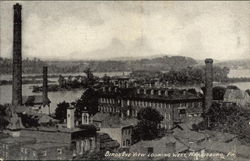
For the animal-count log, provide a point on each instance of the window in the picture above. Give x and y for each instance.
(150, 149)
(124, 143)
(25, 150)
(59, 151)
(68, 115)
(128, 142)
(44, 153)
(182, 111)
(129, 131)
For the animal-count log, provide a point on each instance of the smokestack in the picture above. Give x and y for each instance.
(17, 56)
(208, 85)
(45, 86)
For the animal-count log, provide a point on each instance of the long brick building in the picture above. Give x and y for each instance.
(174, 104)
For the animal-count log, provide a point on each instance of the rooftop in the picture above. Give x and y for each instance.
(17, 140)
(44, 145)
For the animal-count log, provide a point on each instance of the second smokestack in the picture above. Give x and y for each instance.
(17, 56)
(45, 86)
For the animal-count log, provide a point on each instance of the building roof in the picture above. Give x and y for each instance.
(235, 94)
(174, 95)
(17, 140)
(188, 135)
(44, 145)
(219, 136)
(113, 120)
(179, 147)
(46, 119)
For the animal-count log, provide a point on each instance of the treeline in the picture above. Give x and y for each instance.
(184, 76)
(161, 63)
(236, 64)
(195, 75)
(29, 66)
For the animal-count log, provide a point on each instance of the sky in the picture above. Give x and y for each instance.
(83, 30)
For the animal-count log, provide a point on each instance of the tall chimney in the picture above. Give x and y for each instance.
(208, 86)
(45, 86)
(17, 56)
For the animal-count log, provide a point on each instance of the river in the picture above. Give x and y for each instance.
(69, 96)
(55, 97)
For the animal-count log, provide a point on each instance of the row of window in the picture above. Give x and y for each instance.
(4, 154)
(127, 131)
(43, 153)
(152, 104)
(108, 109)
(126, 143)
(84, 145)
(5, 146)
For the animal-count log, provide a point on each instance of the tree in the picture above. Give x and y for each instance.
(106, 79)
(229, 119)
(29, 121)
(146, 129)
(90, 77)
(61, 111)
(88, 100)
(3, 121)
(218, 93)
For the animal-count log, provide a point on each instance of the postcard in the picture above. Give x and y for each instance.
(125, 80)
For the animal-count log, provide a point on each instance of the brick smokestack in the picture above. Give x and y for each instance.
(208, 83)
(17, 56)
(45, 86)
(208, 86)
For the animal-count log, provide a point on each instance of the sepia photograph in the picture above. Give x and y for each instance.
(125, 80)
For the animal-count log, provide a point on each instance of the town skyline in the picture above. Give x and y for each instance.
(100, 31)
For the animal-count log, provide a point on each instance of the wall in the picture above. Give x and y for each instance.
(47, 136)
(114, 133)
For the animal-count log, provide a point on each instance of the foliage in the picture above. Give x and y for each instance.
(61, 111)
(146, 129)
(228, 118)
(3, 121)
(88, 100)
(248, 91)
(29, 121)
(194, 75)
(218, 93)
(90, 77)
(106, 79)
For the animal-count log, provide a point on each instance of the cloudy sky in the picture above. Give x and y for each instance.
(103, 30)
